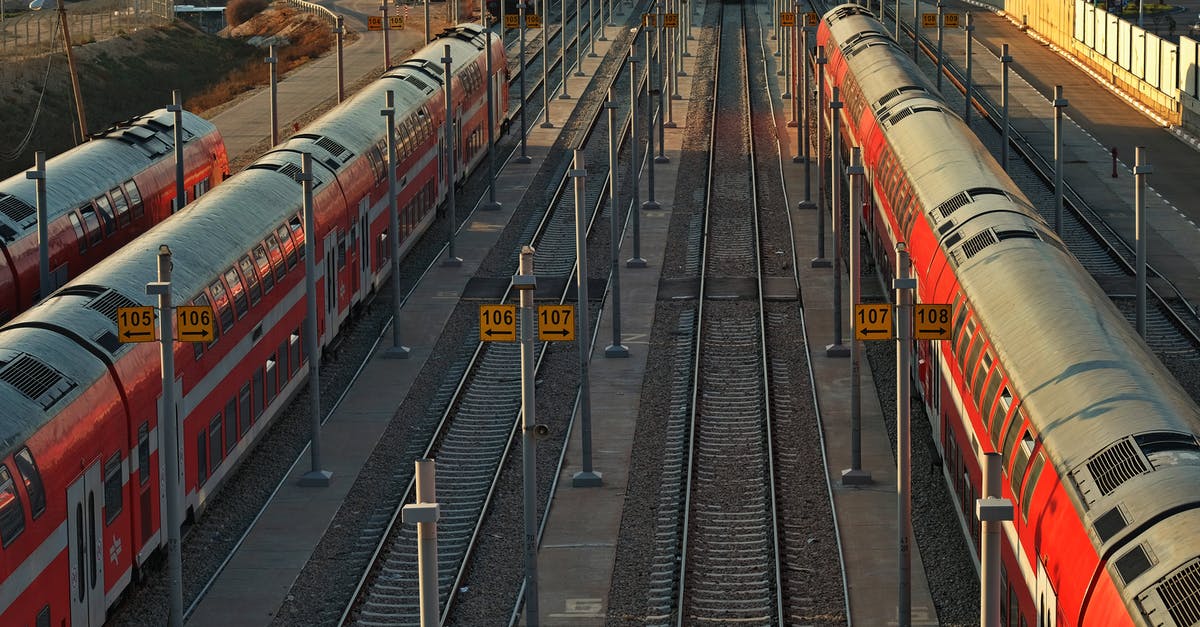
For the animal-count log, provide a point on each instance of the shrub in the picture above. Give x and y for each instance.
(239, 11)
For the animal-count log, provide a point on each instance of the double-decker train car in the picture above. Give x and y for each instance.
(99, 196)
(81, 490)
(1096, 439)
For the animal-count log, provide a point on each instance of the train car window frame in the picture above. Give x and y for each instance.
(143, 453)
(295, 226)
(1002, 400)
(974, 353)
(981, 377)
(295, 354)
(32, 478)
(201, 457)
(272, 378)
(121, 206)
(277, 257)
(1024, 450)
(106, 210)
(1035, 473)
(91, 222)
(231, 425)
(258, 379)
(250, 276)
(960, 349)
(216, 439)
(288, 245)
(114, 488)
(222, 305)
(80, 234)
(263, 264)
(281, 369)
(136, 207)
(960, 319)
(1011, 431)
(244, 408)
(237, 291)
(201, 300)
(12, 512)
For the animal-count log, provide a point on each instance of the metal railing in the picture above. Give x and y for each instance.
(315, 9)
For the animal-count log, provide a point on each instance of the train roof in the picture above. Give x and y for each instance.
(112, 157)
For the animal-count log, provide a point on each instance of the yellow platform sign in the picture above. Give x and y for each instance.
(497, 323)
(670, 20)
(950, 19)
(374, 22)
(787, 19)
(196, 323)
(931, 322)
(811, 18)
(556, 323)
(533, 20)
(135, 324)
(512, 21)
(873, 322)
(929, 20)
(396, 22)
(650, 20)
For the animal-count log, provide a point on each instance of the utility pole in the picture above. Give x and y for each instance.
(586, 478)
(1005, 59)
(855, 475)
(970, 28)
(616, 349)
(340, 30)
(820, 261)
(452, 260)
(491, 204)
(316, 477)
(524, 157)
(1060, 103)
(836, 349)
(62, 16)
(397, 350)
(1141, 232)
(425, 513)
(176, 109)
(272, 60)
(904, 285)
(526, 282)
(38, 174)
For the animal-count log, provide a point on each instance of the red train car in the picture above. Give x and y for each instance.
(100, 195)
(81, 498)
(1097, 441)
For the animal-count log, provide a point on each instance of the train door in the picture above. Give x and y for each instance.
(331, 288)
(1047, 602)
(85, 500)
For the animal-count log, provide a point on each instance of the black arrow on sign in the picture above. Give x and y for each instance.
(939, 330)
(872, 331)
(491, 332)
(195, 333)
(129, 334)
(563, 332)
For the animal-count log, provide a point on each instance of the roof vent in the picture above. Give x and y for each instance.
(1179, 594)
(1133, 563)
(17, 210)
(1116, 465)
(108, 302)
(978, 242)
(1016, 234)
(888, 97)
(37, 381)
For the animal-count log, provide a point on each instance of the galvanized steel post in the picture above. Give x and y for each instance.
(940, 36)
(820, 261)
(650, 203)
(970, 28)
(397, 350)
(425, 513)
(802, 130)
(38, 174)
(616, 349)
(1005, 59)
(586, 478)
(452, 260)
(1141, 232)
(316, 477)
(339, 29)
(1060, 103)
(836, 349)
(562, 46)
(904, 285)
(169, 421)
(660, 34)
(855, 475)
(273, 60)
(524, 158)
(526, 282)
(387, 42)
(634, 160)
(991, 510)
(491, 204)
(897, 20)
(176, 110)
(427, 27)
(546, 123)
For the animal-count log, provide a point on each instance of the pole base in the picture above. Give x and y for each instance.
(852, 477)
(793, 124)
(587, 480)
(523, 159)
(492, 205)
(651, 205)
(676, 97)
(616, 350)
(681, 73)
(806, 204)
(579, 73)
(452, 262)
(821, 262)
(662, 159)
(837, 350)
(635, 262)
(669, 124)
(546, 125)
(395, 352)
(688, 54)
(562, 96)
(787, 95)
(316, 479)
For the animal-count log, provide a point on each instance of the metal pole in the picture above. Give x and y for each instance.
(820, 261)
(397, 350)
(425, 513)
(940, 36)
(491, 204)
(836, 349)
(855, 475)
(897, 20)
(616, 349)
(650, 203)
(579, 41)
(1060, 103)
(989, 570)
(660, 35)
(603, 28)
(970, 28)
(62, 15)
(427, 28)
(452, 260)
(546, 123)
(1141, 232)
(586, 478)
(636, 261)
(793, 81)
(1005, 59)
(562, 48)
(916, 26)
(315, 477)
(273, 60)
(169, 420)
(526, 282)
(671, 83)
(524, 158)
(904, 285)
(803, 130)
(387, 42)
(340, 31)
(785, 65)
(38, 174)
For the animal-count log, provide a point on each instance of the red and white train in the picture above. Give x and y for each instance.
(1097, 441)
(100, 196)
(81, 495)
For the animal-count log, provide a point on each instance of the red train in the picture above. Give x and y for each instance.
(99, 196)
(81, 497)
(1097, 441)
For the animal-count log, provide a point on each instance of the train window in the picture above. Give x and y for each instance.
(114, 486)
(201, 457)
(12, 515)
(92, 223)
(43, 617)
(275, 254)
(1023, 451)
(999, 411)
(981, 376)
(80, 236)
(231, 430)
(289, 248)
(959, 319)
(251, 277)
(224, 311)
(259, 396)
(271, 371)
(264, 268)
(972, 360)
(33, 482)
(281, 356)
(1010, 434)
(135, 199)
(144, 453)
(244, 407)
(106, 212)
(341, 250)
(120, 205)
(295, 354)
(214, 441)
(1027, 494)
(237, 292)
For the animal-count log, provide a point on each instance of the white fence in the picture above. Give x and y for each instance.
(1143, 54)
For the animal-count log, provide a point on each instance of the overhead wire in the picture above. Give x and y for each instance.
(12, 155)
